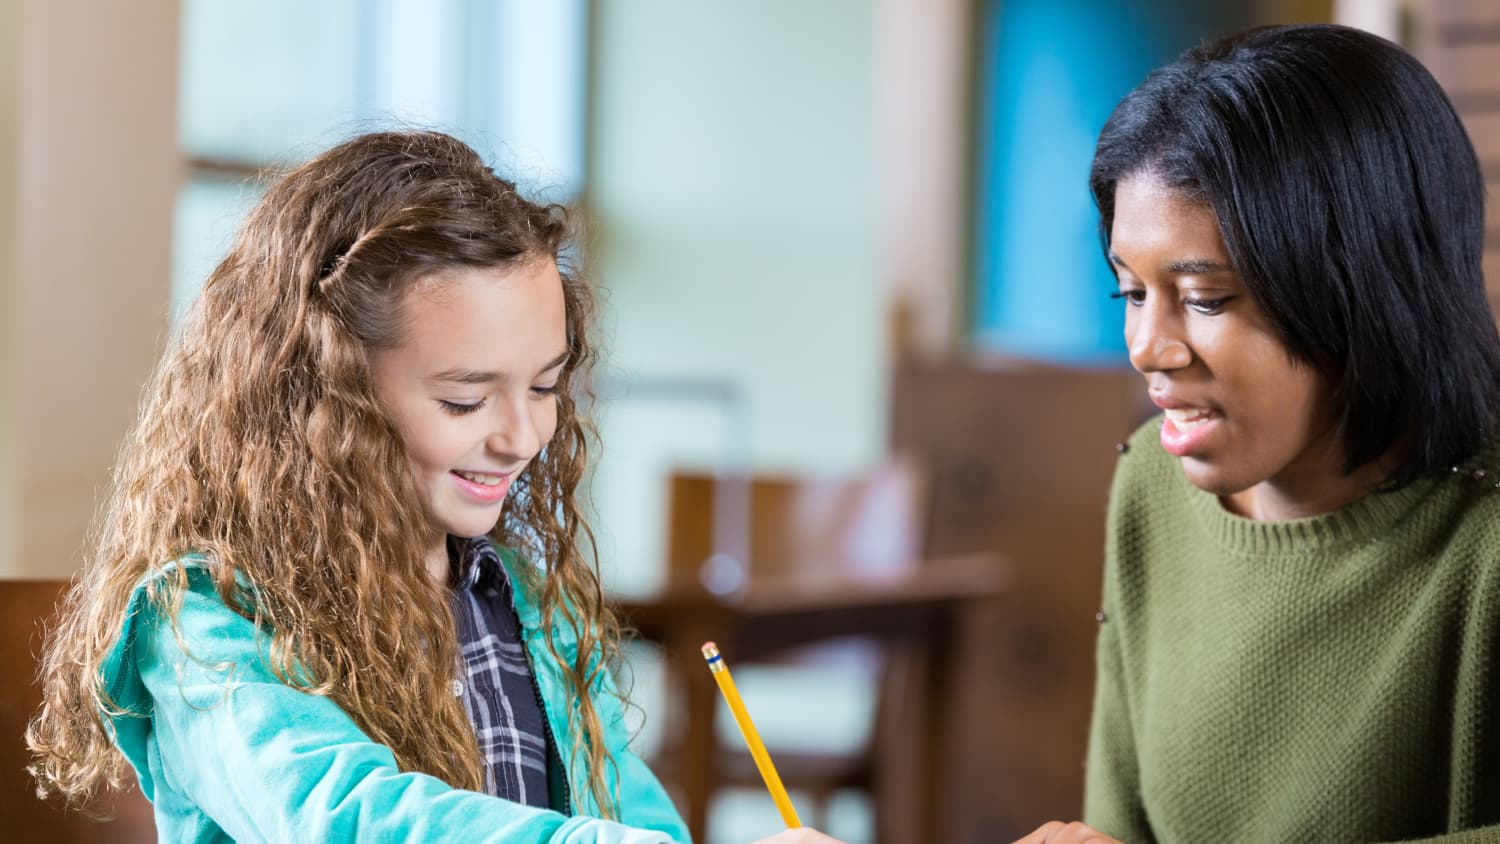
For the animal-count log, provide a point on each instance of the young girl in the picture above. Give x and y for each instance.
(339, 593)
(1302, 593)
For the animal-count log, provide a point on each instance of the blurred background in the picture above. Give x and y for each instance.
(861, 375)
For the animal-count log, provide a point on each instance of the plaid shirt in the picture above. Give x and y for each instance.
(495, 682)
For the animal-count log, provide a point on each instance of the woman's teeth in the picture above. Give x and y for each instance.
(1187, 418)
(487, 480)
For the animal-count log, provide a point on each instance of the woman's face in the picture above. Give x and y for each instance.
(1249, 423)
(472, 386)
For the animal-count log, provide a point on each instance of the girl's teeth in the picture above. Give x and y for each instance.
(487, 480)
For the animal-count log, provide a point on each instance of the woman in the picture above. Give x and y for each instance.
(1302, 590)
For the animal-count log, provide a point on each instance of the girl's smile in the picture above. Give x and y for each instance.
(482, 487)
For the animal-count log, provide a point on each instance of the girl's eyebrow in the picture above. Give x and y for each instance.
(474, 376)
(466, 376)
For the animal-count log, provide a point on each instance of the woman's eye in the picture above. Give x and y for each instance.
(1131, 297)
(1207, 306)
(458, 408)
(545, 391)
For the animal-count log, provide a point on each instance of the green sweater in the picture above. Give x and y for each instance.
(1323, 679)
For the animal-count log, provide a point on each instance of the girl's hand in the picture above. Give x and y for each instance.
(801, 835)
(1057, 832)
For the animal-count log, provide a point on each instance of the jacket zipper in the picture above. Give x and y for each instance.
(553, 751)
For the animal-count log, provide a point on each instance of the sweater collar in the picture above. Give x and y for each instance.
(1357, 522)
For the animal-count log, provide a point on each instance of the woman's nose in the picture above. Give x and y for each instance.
(1155, 340)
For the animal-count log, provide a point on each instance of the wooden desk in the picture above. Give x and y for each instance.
(914, 611)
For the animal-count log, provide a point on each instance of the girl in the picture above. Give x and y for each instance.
(339, 592)
(1302, 590)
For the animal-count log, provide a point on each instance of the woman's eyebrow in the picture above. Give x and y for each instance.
(1185, 266)
(1198, 266)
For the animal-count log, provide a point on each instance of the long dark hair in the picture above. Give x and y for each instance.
(1352, 204)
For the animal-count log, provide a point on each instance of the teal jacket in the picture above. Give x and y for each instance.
(225, 751)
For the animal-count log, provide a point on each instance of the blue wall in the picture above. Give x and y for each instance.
(1050, 73)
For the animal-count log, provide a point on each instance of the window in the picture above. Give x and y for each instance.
(269, 84)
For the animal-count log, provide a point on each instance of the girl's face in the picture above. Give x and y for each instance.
(472, 386)
(1249, 423)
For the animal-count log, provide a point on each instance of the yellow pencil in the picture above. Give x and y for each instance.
(752, 738)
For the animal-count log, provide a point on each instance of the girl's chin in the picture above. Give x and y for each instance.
(471, 530)
(468, 525)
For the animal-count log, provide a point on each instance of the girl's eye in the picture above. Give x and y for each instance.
(458, 409)
(545, 391)
(1131, 297)
(1207, 306)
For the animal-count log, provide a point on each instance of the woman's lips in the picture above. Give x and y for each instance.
(1184, 429)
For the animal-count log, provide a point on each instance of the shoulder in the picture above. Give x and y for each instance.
(1150, 520)
(1463, 515)
(173, 612)
(179, 608)
(1144, 470)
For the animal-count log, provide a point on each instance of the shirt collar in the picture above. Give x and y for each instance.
(478, 562)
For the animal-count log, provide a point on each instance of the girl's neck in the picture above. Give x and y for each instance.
(437, 561)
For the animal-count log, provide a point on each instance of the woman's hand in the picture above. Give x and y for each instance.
(1057, 832)
(800, 835)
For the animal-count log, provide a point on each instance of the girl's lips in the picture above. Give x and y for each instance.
(1184, 434)
(482, 493)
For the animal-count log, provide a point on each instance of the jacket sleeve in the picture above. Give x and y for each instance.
(644, 802)
(267, 762)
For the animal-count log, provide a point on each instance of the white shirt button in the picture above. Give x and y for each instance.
(458, 688)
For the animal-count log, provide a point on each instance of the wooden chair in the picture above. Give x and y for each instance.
(764, 564)
(24, 605)
(1021, 458)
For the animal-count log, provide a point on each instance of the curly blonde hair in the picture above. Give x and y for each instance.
(261, 444)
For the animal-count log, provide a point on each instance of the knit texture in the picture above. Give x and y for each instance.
(1321, 679)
